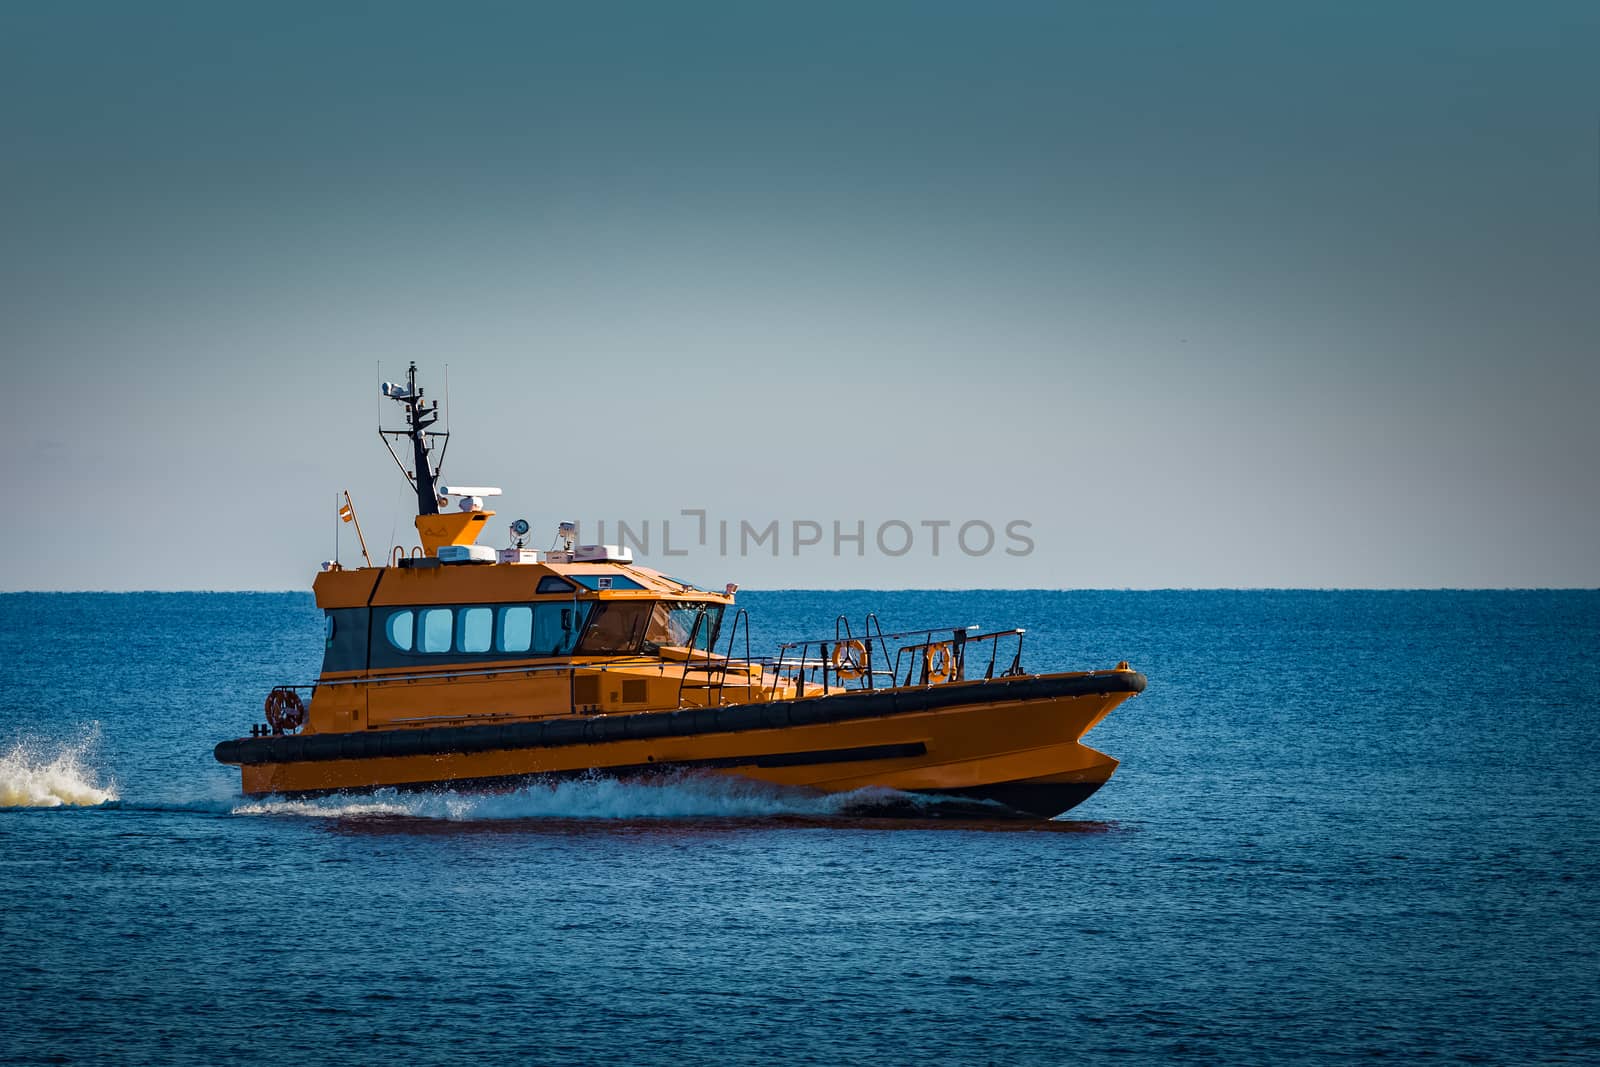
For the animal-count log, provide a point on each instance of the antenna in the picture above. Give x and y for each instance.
(420, 414)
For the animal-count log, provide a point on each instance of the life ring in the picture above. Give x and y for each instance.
(940, 662)
(848, 657)
(285, 710)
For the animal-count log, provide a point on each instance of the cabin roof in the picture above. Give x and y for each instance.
(478, 583)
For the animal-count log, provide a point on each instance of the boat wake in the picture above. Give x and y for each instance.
(604, 798)
(35, 774)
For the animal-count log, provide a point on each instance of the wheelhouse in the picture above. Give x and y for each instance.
(582, 626)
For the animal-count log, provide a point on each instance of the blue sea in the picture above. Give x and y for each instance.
(1347, 826)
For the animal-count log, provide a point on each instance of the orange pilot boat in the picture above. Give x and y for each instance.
(459, 665)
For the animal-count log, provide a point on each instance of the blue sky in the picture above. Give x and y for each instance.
(1233, 295)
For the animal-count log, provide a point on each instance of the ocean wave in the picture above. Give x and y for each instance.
(35, 774)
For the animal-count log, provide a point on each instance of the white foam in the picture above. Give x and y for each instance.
(33, 775)
(687, 797)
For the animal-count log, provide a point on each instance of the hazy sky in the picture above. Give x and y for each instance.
(1209, 295)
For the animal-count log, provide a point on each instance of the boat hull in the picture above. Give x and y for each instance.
(1012, 741)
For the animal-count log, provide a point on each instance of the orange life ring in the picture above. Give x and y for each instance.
(940, 662)
(285, 710)
(848, 659)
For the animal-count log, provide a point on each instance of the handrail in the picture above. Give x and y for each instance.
(727, 660)
(873, 640)
(694, 632)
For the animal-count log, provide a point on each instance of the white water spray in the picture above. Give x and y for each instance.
(37, 775)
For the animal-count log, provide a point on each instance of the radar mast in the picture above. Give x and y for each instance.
(420, 415)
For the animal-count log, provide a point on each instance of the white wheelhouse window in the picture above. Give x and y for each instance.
(399, 630)
(474, 629)
(434, 629)
(516, 629)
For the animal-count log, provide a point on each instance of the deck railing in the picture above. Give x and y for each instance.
(848, 663)
(908, 658)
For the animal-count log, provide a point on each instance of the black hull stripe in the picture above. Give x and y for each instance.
(689, 722)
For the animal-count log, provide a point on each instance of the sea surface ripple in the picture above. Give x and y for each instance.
(1348, 825)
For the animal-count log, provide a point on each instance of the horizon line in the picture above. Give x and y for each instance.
(932, 589)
